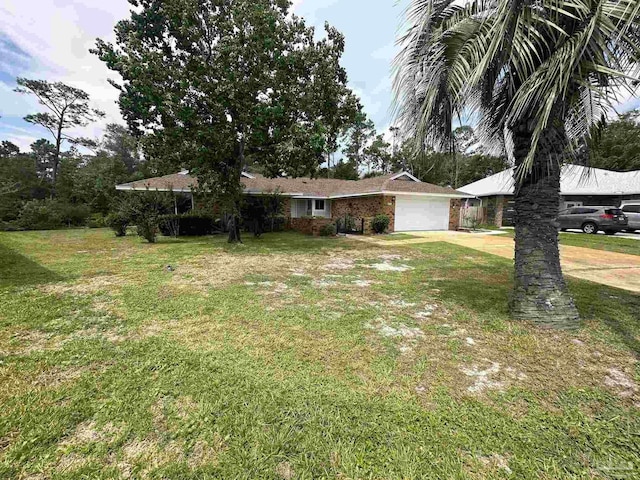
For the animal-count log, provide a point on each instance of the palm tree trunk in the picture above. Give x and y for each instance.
(540, 293)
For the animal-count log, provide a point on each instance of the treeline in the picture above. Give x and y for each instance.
(84, 189)
(367, 153)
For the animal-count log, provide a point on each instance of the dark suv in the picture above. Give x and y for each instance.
(592, 219)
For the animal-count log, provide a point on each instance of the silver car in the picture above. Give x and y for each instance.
(632, 212)
(591, 219)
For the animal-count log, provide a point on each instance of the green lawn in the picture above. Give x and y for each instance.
(610, 243)
(295, 357)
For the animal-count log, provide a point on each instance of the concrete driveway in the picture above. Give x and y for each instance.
(608, 268)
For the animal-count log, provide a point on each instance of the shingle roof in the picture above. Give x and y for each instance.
(574, 180)
(302, 187)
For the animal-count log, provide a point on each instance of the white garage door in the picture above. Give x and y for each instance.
(421, 213)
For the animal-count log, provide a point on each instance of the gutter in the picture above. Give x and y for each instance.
(300, 195)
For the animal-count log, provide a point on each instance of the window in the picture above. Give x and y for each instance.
(319, 204)
(613, 211)
(631, 209)
(569, 205)
(581, 211)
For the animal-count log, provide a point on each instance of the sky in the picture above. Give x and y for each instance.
(51, 40)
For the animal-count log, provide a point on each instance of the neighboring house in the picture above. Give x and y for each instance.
(579, 186)
(310, 204)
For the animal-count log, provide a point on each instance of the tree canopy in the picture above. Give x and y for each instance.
(618, 146)
(214, 85)
(67, 106)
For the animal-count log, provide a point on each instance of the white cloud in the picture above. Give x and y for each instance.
(22, 137)
(57, 36)
(388, 52)
(371, 105)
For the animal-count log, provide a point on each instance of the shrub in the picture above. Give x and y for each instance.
(188, 224)
(38, 215)
(8, 226)
(51, 214)
(328, 230)
(169, 225)
(118, 222)
(275, 224)
(143, 209)
(147, 227)
(71, 214)
(96, 220)
(380, 223)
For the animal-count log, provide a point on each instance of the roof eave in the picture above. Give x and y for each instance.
(455, 194)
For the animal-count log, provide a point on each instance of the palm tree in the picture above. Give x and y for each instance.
(540, 76)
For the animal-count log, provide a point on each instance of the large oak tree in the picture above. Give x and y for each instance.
(216, 84)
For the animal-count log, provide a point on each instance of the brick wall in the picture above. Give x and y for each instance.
(308, 225)
(364, 208)
(454, 213)
(286, 207)
(389, 209)
(499, 211)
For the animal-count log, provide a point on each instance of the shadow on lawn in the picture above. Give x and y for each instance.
(17, 270)
(482, 297)
(618, 310)
(624, 334)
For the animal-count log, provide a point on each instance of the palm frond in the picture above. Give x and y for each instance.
(515, 63)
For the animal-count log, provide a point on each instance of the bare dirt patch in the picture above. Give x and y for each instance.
(389, 267)
(619, 382)
(362, 283)
(339, 264)
(56, 377)
(426, 312)
(90, 432)
(483, 378)
(70, 462)
(324, 283)
(519, 356)
(26, 342)
(86, 285)
(206, 453)
(400, 303)
(285, 471)
(496, 462)
(407, 336)
(185, 407)
(387, 257)
(223, 269)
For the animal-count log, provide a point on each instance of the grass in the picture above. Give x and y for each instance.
(297, 357)
(395, 236)
(609, 243)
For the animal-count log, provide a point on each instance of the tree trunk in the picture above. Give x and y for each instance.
(234, 225)
(234, 229)
(328, 164)
(56, 158)
(540, 293)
